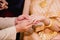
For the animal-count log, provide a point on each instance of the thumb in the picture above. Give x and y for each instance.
(27, 17)
(20, 18)
(29, 26)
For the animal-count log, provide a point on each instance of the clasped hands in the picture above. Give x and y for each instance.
(25, 22)
(3, 4)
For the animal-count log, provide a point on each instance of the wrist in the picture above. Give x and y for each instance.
(25, 14)
(17, 29)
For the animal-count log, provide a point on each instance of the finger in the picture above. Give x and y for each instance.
(6, 7)
(36, 21)
(3, 4)
(29, 26)
(39, 24)
(6, 2)
(25, 22)
(17, 21)
(20, 18)
(27, 17)
(29, 22)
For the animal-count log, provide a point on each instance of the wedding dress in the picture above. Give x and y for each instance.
(49, 9)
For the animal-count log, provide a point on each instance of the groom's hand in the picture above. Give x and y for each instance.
(24, 25)
(22, 17)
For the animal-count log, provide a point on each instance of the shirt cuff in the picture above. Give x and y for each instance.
(7, 22)
(9, 33)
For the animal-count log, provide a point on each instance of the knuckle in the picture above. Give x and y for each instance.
(25, 28)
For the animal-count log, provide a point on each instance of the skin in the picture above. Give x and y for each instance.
(3, 4)
(24, 26)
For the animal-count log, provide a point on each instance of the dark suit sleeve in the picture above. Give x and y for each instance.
(16, 6)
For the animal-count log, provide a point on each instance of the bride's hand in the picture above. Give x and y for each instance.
(38, 18)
